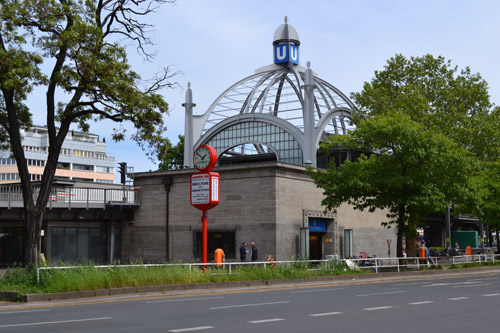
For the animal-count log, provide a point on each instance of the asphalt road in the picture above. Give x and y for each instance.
(468, 303)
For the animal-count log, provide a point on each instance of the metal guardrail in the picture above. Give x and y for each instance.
(68, 196)
(373, 264)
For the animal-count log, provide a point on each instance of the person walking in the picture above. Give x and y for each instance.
(243, 252)
(255, 252)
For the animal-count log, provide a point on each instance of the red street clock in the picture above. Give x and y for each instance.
(205, 158)
(205, 184)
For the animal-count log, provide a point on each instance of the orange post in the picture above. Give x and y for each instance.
(421, 253)
(468, 250)
(218, 257)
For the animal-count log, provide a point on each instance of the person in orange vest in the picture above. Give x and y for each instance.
(271, 260)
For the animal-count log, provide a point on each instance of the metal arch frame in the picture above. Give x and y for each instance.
(199, 121)
(338, 92)
(253, 143)
(266, 75)
(342, 112)
(273, 120)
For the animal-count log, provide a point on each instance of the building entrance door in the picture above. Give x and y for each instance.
(315, 245)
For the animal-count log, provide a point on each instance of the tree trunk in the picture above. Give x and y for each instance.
(401, 230)
(498, 239)
(32, 236)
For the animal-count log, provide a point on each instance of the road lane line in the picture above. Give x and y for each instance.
(325, 314)
(474, 285)
(265, 321)
(378, 308)
(457, 298)
(245, 305)
(447, 284)
(183, 300)
(316, 290)
(409, 284)
(489, 295)
(56, 322)
(422, 302)
(385, 293)
(13, 312)
(190, 329)
(482, 279)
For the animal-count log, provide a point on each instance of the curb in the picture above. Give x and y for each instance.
(85, 294)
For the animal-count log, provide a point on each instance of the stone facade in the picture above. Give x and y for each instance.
(268, 203)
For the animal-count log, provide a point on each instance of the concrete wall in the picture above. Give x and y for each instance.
(267, 203)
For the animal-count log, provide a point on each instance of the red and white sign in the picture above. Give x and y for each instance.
(205, 190)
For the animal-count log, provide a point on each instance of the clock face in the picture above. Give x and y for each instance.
(203, 158)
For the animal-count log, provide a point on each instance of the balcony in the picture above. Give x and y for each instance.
(68, 197)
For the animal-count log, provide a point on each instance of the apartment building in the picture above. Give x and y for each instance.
(83, 158)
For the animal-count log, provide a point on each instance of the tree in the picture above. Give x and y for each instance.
(433, 93)
(439, 96)
(172, 157)
(490, 190)
(88, 78)
(408, 169)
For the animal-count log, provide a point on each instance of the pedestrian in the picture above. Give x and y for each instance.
(243, 252)
(270, 259)
(405, 255)
(255, 252)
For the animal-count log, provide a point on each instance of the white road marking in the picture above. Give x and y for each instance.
(56, 322)
(245, 305)
(386, 293)
(409, 284)
(378, 308)
(482, 279)
(190, 329)
(325, 314)
(489, 295)
(447, 284)
(457, 298)
(264, 321)
(474, 285)
(315, 290)
(183, 300)
(422, 302)
(13, 312)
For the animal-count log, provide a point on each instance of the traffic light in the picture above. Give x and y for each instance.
(123, 172)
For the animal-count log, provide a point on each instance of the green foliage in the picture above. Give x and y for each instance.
(89, 277)
(172, 157)
(490, 193)
(412, 172)
(412, 167)
(433, 93)
(70, 50)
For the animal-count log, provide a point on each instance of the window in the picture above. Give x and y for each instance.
(77, 244)
(11, 246)
(83, 167)
(224, 240)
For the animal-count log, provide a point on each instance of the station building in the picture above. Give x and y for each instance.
(266, 129)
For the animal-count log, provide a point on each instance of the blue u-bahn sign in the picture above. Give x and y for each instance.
(286, 52)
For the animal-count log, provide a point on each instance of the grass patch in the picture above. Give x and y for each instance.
(88, 277)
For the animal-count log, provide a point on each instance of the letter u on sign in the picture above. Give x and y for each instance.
(280, 53)
(286, 52)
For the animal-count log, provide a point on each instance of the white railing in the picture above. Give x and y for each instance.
(11, 196)
(375, 265)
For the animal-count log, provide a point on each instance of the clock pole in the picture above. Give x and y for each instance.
(204, 190)
(204, 238)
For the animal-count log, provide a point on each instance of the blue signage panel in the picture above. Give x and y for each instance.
(286, 52)
(294, 54)
(317, 224)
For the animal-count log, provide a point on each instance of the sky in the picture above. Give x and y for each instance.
(213, 44)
